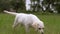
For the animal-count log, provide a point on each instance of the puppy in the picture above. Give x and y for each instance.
(28, 20)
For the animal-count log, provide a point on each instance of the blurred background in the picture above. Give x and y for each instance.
(51, 6)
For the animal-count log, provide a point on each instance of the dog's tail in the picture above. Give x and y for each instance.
(13, 13)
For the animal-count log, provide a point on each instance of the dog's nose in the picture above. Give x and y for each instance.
(42, 33)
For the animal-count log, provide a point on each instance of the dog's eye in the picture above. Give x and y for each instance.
(39, 28)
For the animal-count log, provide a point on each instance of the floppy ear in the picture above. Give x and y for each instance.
(35, 25)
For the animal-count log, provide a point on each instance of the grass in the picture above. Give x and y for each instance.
(52, 24)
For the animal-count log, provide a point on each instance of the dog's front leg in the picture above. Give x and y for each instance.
(27, 29)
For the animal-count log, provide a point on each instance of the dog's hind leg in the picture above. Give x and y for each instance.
(15, 23)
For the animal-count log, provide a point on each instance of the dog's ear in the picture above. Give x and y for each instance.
(35, 25)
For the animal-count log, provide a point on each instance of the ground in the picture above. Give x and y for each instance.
(52, 24)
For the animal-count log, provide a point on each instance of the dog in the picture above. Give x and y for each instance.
(28, 20)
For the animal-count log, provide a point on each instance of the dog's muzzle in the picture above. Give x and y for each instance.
(42, 33)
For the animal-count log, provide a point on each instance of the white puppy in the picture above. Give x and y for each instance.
(28, 20)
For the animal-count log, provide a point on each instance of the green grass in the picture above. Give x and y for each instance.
(52, 24)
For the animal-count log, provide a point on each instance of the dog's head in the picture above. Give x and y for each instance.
(39, 27)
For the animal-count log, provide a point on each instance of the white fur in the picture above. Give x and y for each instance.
(27, 20)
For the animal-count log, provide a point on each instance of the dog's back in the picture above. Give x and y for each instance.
(26, 18)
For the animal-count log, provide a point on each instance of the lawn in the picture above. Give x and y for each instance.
(52, 24)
